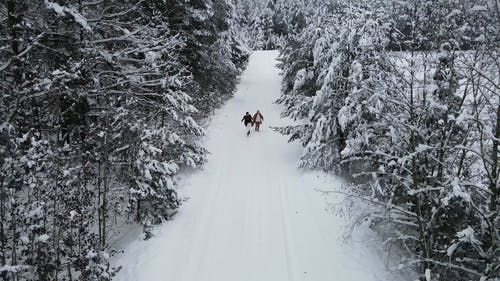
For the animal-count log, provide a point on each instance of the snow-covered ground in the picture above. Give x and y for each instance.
(250, 214)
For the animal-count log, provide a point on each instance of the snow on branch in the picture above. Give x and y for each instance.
(60, 10)
(14, 268)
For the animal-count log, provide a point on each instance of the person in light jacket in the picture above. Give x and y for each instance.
(258, 119)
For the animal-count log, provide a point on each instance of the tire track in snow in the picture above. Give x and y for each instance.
(285, 229)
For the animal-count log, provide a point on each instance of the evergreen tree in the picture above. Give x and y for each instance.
(97, 117)
(388, 97)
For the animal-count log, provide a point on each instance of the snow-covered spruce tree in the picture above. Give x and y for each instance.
(319, 92)
(481, 147)
(443, 207)
(371, 81)
(270, 24)
(247, 17)
(411, 165)
(36, 119)
(303, 61)
(143, 114)
(262, 36)
(423, 173)
(430, 24)
(96, 119)
(214, 52)
(299, 74)
(428, 171)
(410, 124)
(478, 244)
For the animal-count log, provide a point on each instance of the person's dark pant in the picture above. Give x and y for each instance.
(248, 128)
(257, 126)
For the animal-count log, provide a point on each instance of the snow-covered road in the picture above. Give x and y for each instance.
(251, 215)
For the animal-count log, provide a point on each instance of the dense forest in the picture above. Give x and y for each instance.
(403, 99)
(102, 104)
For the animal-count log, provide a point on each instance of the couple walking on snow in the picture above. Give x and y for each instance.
(249, 121)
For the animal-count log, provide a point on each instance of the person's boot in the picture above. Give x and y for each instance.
(248, 133)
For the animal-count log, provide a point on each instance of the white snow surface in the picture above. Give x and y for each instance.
(251, 215)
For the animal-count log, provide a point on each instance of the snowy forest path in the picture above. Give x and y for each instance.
(250, 214)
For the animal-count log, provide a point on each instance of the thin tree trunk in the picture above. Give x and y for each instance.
(13, 19)
(14, 237)
(105, 179)
(55, 236)
(2, 233)
(104, 207)
(99, 212)
(495, 189)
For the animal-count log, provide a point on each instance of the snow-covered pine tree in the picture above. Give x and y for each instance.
(371, 84)
(269, 24)
(97, 117)
(214, 52)
(480, 148)
(432, 168)
(40, 78)
(412, 119)
(421, 156)
(143, 112)
(332, 55)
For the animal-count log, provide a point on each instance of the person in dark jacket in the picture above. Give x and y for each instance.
(248, 121)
